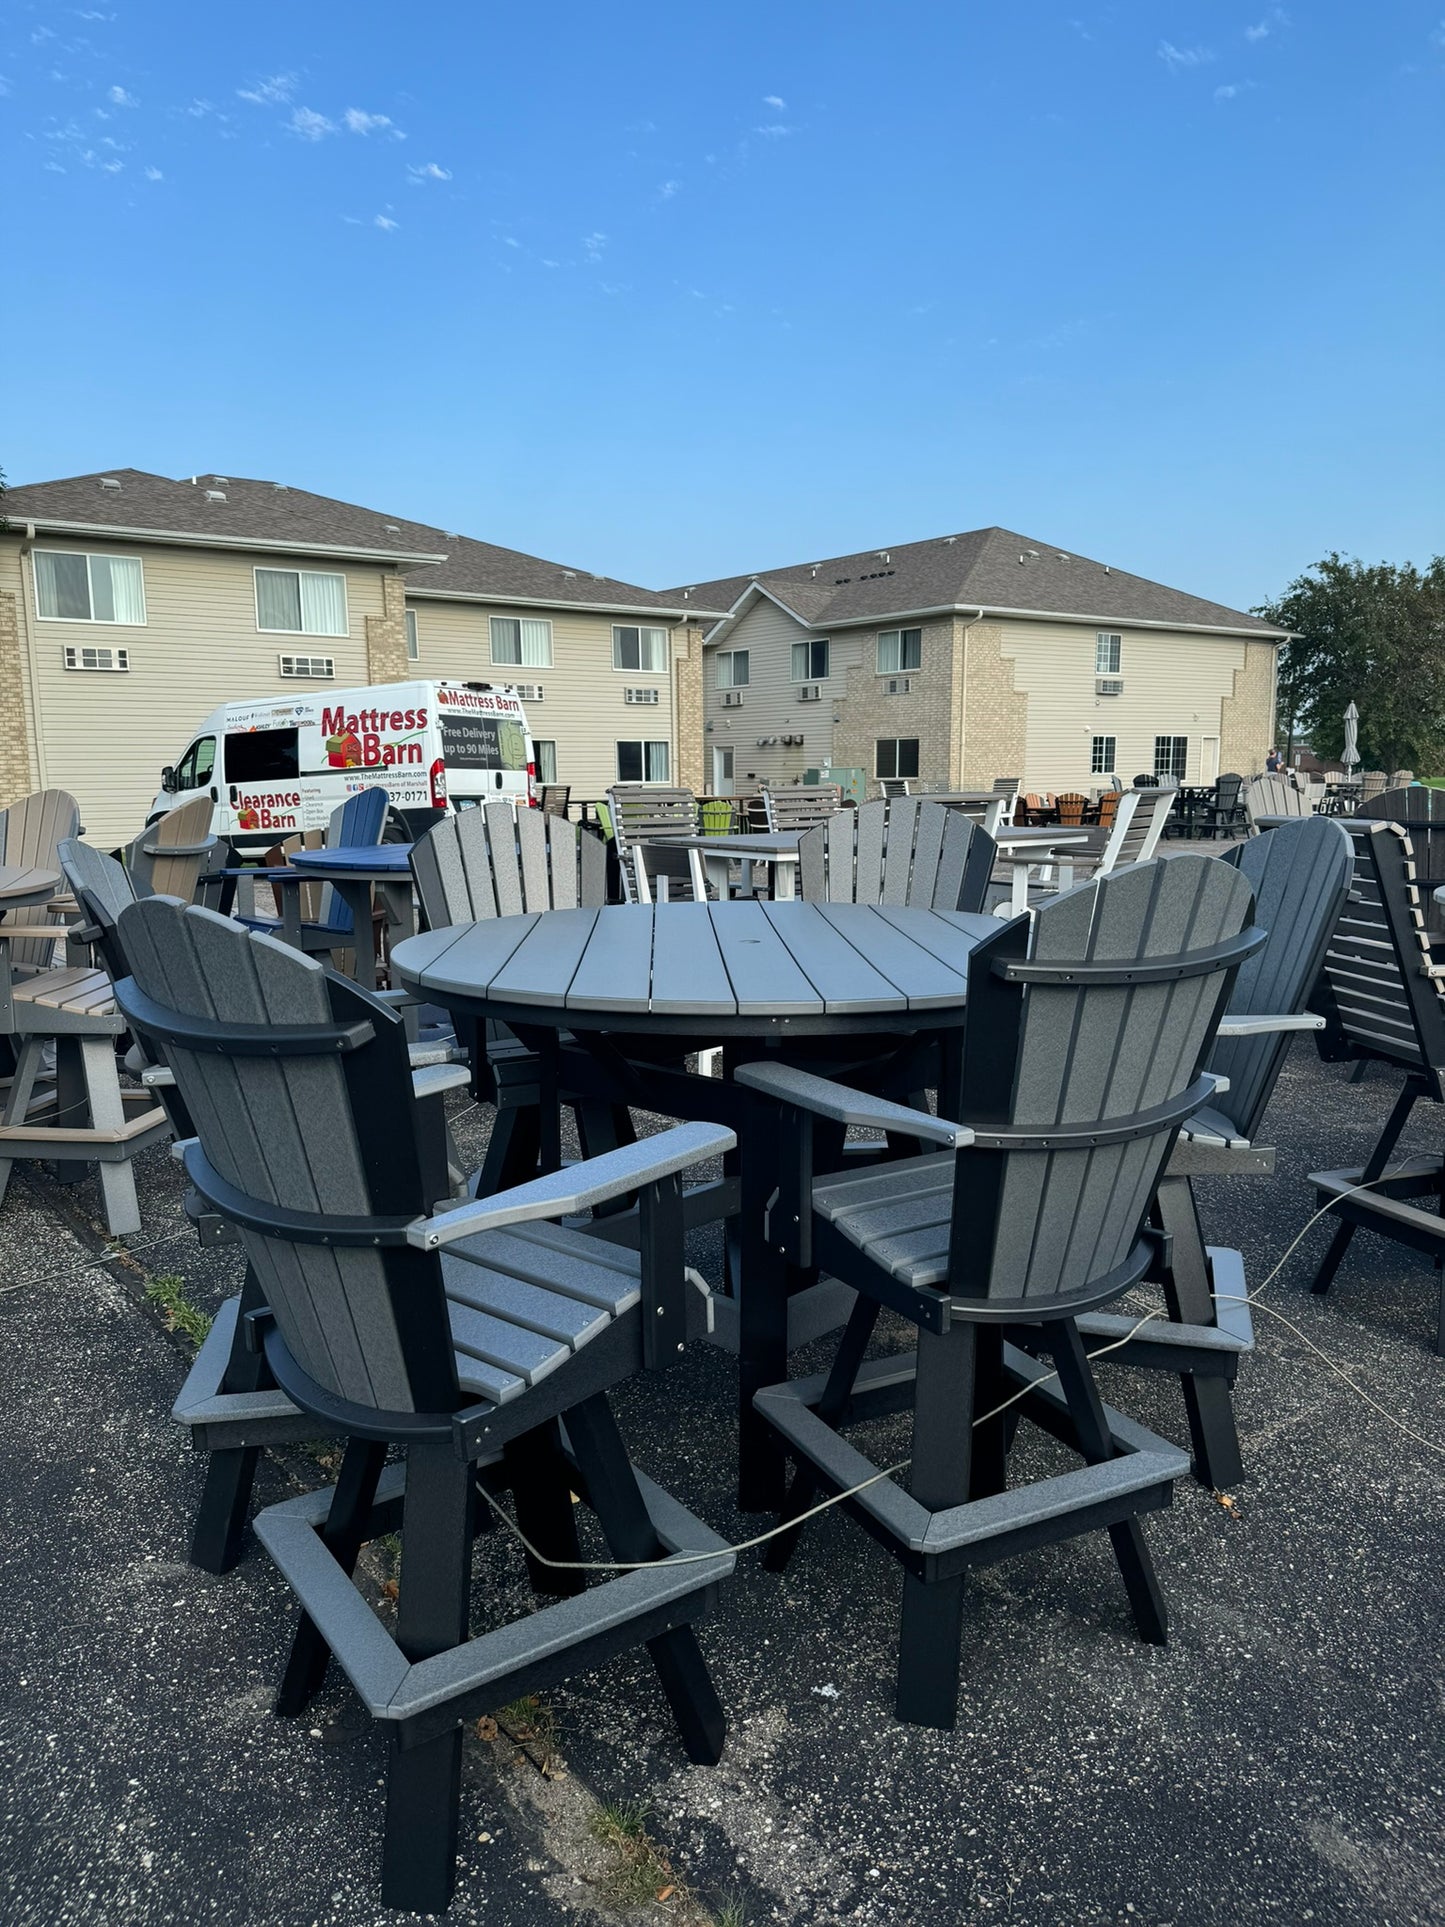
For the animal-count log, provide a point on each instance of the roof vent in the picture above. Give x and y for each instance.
(215, 495)
(109, 481)
(949, 539)
(392, 528)
(569, 575)
(1029, 555)
(281, 488)
(452, 536)
(884, 556)
(221, 478)
(1061, 557)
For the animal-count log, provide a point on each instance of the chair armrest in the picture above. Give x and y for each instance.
(432, 1080)
(1263, 1026)
(580, 1186)
(838, 1102)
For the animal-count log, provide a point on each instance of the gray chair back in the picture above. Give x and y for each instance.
(1142, 826)
(799, 806)
(905, 851)
(168, 858)
(1377, 991)
(499, 862)
(1274, 796)
(1300, 875)
(1421, 811)
(102, 888)
(31, 832)
(1081, 1063)
(299, 1086)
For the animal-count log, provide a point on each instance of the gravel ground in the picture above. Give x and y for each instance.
(1280, 1760)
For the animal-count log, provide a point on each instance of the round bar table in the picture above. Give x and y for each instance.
(22, 886)
(812, 982)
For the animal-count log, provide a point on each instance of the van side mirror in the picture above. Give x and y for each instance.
(168, 778)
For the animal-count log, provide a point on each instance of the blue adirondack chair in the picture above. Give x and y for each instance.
(359, 822)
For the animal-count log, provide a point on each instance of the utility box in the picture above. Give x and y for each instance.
(852, 782)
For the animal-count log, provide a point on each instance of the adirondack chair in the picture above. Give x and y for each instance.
(1109, 808)
(1071, 806)
(1224, 814)
(907, 851)
(500, 862)
(892, 786)
(85, 1115)
(651, 812)
(169, 858)
(1274, 796)
(229, 1402)
(1086, 1030)
(1420, 811)
(1401, 778)
(1300, 875)
(1373, 783)
(358, 822)
(1007, 787)
(1382, 997)
(31, 832)
(456, 1339)
(800, 806)
(555, 798)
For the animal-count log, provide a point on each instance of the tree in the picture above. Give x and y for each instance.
(1374, 636)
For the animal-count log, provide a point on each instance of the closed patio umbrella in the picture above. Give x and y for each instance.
(1352, 737)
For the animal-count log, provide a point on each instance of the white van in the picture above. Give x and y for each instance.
(280, 764)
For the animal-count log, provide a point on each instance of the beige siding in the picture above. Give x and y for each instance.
(583, 709)
(1175, 684)
(770, 705)
(105, 737)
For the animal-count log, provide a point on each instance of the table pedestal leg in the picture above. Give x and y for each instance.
(784, 882)
(761, 1286)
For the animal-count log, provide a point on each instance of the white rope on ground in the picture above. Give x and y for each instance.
(106, 1258)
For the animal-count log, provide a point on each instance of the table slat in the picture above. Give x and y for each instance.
(920, 977)
(766, 980)
(688, 973)
(845, 980)
(541, 968)
(466, 957)
(615, 972)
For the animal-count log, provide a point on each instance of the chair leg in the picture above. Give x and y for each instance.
(537, 1471)
(1087, 1411)
(1189, 1296)
(343, 1534)
(28, 1065)
(831, 1406)
(423, 1782)
(226, 1495)
(1374, 1169)
(930, 1629)
(107, 1113)
(627, 1526)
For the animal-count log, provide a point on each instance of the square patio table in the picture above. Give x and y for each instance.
(777, 849)
(826, 985)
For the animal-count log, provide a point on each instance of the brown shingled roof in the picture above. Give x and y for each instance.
(993, 569)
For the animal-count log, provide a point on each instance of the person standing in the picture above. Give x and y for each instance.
(1274, 762)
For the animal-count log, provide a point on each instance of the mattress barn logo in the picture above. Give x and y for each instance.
(494, 702)
(356, 740)
(265, 809)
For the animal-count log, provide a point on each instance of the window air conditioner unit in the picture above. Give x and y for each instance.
(810, 693)
(648, 697)
(1108, 685)
(732, 699)
(897, 685)
(528, 692)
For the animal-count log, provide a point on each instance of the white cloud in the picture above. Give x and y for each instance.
(1274, 19)
(112, 167)
(774, 101)
(428, 171)
(275, 91)
(774, 131)
(311, 126)
(154, 174)
(358, 121)
(550, 264)
(385, 221)
(593, 244)
(1437, 39)
(4, 86)
(118, 97)
(511, 241)
(1233, 90)
(54, 167)
(668, 190)
(1178, 58)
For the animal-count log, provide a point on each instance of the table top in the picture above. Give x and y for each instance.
(781, 845)
(370, 859)
(1005, 837)
(23, 883)
(961, 796)
(743, 968)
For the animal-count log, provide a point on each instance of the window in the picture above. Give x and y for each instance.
(732, 668)
(1101, 756)
(89, 588)
(810, 662)
(413, 648)
(896, 755)
(262, 756)
(526, 641)
(899, 649)
(642, 762)
(301, 602)
(545, 755)
(1106, 654)
(113, 659)
(1171, 756)
(193, 771)
(644, 649)
(319, 668)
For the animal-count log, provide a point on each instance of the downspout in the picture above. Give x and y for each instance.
(32, 692)
(959, 734)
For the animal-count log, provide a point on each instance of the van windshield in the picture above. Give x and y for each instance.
(483, 742)
(262, 756)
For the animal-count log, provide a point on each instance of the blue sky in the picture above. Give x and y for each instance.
(679, 291)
